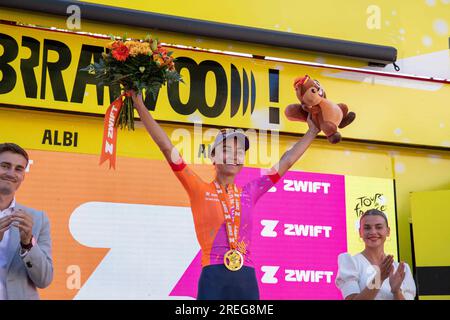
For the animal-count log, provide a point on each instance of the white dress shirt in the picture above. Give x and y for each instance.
(356, 273)
(3, 248)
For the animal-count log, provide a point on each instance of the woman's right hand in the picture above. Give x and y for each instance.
(137, 100)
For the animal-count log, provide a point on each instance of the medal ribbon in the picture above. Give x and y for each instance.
(232, 223)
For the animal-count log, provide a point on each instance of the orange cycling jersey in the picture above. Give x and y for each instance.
(208, 214)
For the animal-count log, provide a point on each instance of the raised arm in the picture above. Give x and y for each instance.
(292, 155)
(156, 132)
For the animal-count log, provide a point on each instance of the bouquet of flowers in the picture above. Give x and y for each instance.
(135, 65)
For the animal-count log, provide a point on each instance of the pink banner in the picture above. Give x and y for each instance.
(299, 229)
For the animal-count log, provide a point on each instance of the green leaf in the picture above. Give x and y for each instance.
(154, 45)
(88, 68)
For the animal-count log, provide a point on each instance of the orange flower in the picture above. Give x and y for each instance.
(137, 48)
(158, 59)
(120, 51)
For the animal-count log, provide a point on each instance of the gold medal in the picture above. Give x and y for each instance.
(233, 260)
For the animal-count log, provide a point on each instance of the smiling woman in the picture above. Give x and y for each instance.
(363, 276)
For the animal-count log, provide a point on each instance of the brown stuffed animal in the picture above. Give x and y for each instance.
(326, 115)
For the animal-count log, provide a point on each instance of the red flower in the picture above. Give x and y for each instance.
(162, 51)
(120, 52)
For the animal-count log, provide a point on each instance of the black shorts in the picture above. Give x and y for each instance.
(218, 283)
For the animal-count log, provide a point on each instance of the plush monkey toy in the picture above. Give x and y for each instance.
(326, 115)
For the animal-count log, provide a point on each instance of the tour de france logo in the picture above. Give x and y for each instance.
(374, 201)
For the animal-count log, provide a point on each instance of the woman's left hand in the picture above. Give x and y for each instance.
(312, 126)
(396, 278)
